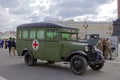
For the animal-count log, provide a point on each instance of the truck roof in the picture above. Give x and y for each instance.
(43, 25)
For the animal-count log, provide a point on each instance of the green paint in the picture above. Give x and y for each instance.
(55, 44)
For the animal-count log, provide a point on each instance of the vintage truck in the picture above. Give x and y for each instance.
(55, 43)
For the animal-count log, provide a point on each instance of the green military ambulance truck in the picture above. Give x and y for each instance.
(55, 43)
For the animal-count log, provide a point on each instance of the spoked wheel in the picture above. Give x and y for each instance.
(29, 60)
(99, 65)
(78, 64)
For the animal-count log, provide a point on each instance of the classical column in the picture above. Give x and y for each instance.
(118, 9)
(116, 23)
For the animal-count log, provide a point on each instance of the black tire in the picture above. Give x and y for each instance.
(29, 59)
(98, 66)
(78, 64)
(51, 62)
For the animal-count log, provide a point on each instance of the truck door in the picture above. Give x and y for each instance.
(52, 48)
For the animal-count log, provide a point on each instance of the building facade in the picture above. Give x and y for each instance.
(105, 29)
(7, 34)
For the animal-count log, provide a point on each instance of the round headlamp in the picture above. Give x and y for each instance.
(86, 48)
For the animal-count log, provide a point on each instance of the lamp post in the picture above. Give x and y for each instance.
(85, 25)
(110, 28)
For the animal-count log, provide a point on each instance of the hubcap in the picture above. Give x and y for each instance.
(28, 58)
(77, 64)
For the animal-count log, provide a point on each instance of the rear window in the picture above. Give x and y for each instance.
(40, 34)
(19, 34)
(32, 34)
(25, 34)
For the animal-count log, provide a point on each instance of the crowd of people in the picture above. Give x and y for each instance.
(9, 44)
(105, 45)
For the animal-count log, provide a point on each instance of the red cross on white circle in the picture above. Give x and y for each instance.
(35, 44)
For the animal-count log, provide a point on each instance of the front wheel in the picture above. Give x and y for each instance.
(78, 64)
(29, 59)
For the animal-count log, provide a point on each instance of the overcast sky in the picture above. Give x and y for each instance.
(15, 12)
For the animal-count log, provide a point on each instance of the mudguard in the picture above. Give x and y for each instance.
(26, 50)
(99, 51)
(78, 52)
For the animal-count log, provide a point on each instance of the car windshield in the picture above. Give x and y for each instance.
(69, 36)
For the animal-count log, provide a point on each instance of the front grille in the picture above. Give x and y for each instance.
(91, 53)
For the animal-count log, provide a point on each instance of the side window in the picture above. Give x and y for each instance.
(69, 36)
(25, 35)
(19, 34)
(32, 34)
(65, 36)
(40, 34)
(52, 35)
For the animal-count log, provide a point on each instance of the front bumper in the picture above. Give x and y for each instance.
(96, 62)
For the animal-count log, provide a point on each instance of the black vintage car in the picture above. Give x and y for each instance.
(95, 56)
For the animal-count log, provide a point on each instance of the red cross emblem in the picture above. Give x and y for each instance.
(35, 44)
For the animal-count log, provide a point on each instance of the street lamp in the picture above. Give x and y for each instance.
(85, 25)
(110, 28)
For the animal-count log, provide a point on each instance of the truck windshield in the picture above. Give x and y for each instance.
(69, 36)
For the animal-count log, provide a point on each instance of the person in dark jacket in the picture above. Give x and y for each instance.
(6, 43)
(2, 44)
(9, 45)
(13, 46)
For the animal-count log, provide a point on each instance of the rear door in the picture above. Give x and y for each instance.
(37, 43)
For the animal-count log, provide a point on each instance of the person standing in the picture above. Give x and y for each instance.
(100, 44)
(108, 48)
(9, 45)
(13, 46)
(104, 48)
(6, 43)
(2, 44)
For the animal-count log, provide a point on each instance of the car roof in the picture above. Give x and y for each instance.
(43, 25)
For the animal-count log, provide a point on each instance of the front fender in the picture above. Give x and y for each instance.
(99, 51)
(78, 52)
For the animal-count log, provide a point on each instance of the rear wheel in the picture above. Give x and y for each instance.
(29, 59)
(78, 64)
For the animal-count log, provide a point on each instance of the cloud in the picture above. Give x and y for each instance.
(8, 21)
(17, 12)
(108, 11)
(11, 4)
(72, 8)
(104, 12)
